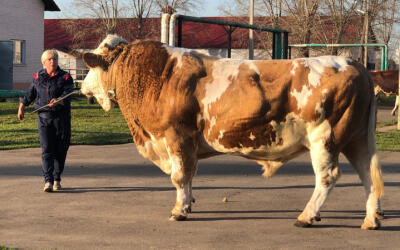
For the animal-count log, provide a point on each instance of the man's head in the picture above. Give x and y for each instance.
(50, 60)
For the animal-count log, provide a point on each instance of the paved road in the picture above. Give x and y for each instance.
(115, 199)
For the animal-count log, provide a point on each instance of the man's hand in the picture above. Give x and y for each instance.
(21, 111)
(54, 102)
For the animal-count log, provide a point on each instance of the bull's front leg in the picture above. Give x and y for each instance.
(183, 160)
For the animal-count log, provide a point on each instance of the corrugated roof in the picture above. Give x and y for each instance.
(194, 35)
(50, 5)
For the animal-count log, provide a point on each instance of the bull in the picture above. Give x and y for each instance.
(181, 106)
(387, 82)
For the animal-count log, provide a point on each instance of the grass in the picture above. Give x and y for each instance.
(383, 100)
(388, 141)
(6, 248)
(90, 126)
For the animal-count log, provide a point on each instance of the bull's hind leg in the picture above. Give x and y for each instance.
(182, 154)
(325, 164)
(365, 163)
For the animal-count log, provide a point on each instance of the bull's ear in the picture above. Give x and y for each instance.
(94, 60)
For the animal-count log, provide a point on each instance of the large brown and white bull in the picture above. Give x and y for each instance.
(387, 82)
(182, 106)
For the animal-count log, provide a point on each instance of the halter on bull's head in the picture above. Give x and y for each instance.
(98, 62)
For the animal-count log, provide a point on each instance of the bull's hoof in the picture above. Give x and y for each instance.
(371, 226)
(380, 215)
(177, 217)
(302, 224)
(317, 218)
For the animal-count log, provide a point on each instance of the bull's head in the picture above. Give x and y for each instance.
(93, 84)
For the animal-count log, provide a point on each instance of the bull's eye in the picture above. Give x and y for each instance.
(111, 93)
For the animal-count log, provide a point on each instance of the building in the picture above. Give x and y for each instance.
(22, 23)
(209, 39)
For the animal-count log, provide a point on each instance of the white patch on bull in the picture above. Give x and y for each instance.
(171, 101)
(252, 137)
(318, 134)
(156, 151)
(224, 70)
(176, 53)
(111, 40)
(252, 66)
(92, 86)
(199, 118)
(302, 96)
(213, 121)
(319, 106)
(295, 64)
(290, 139)
(318, 64)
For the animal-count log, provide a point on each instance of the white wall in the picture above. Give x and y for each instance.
(23, 20)
(236, 53)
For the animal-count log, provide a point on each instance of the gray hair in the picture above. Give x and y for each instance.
(50, 53)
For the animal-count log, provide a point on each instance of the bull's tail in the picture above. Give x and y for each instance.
(375, 169)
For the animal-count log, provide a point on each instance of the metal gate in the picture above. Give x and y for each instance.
(6, 65)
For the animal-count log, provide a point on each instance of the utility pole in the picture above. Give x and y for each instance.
(366, 23)
(251, 22)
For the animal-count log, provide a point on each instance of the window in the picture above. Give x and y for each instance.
(19, 51)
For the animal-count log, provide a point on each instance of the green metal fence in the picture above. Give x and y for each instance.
(279, 41)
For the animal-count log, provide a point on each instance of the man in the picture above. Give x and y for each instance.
(54, 121)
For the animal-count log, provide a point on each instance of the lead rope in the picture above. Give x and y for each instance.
(58, 100)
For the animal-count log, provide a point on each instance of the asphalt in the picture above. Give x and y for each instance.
(115, 199)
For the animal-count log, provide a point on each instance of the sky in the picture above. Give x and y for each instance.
(210, 8)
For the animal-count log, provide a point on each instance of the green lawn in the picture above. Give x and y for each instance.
(6, 248)
(90, 125)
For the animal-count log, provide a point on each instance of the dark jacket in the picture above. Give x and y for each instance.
(44, 88)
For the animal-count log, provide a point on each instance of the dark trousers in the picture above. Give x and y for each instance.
(55, 136)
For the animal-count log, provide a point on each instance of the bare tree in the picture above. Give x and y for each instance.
(274, 10)
(141, 9)
(102, 18)
(172, 6)
(106, 11)
(339, 13)
(304, 14)
(384, 19)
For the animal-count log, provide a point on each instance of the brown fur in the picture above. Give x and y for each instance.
(386, 81)
(163, 100)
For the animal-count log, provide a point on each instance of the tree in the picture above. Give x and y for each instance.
(172, 6)
(141, 9)
(102, 20)
(340, 13)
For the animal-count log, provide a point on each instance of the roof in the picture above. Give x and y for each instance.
(195, 35)
(50, 5)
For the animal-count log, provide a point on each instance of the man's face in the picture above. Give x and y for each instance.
(50, 64)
